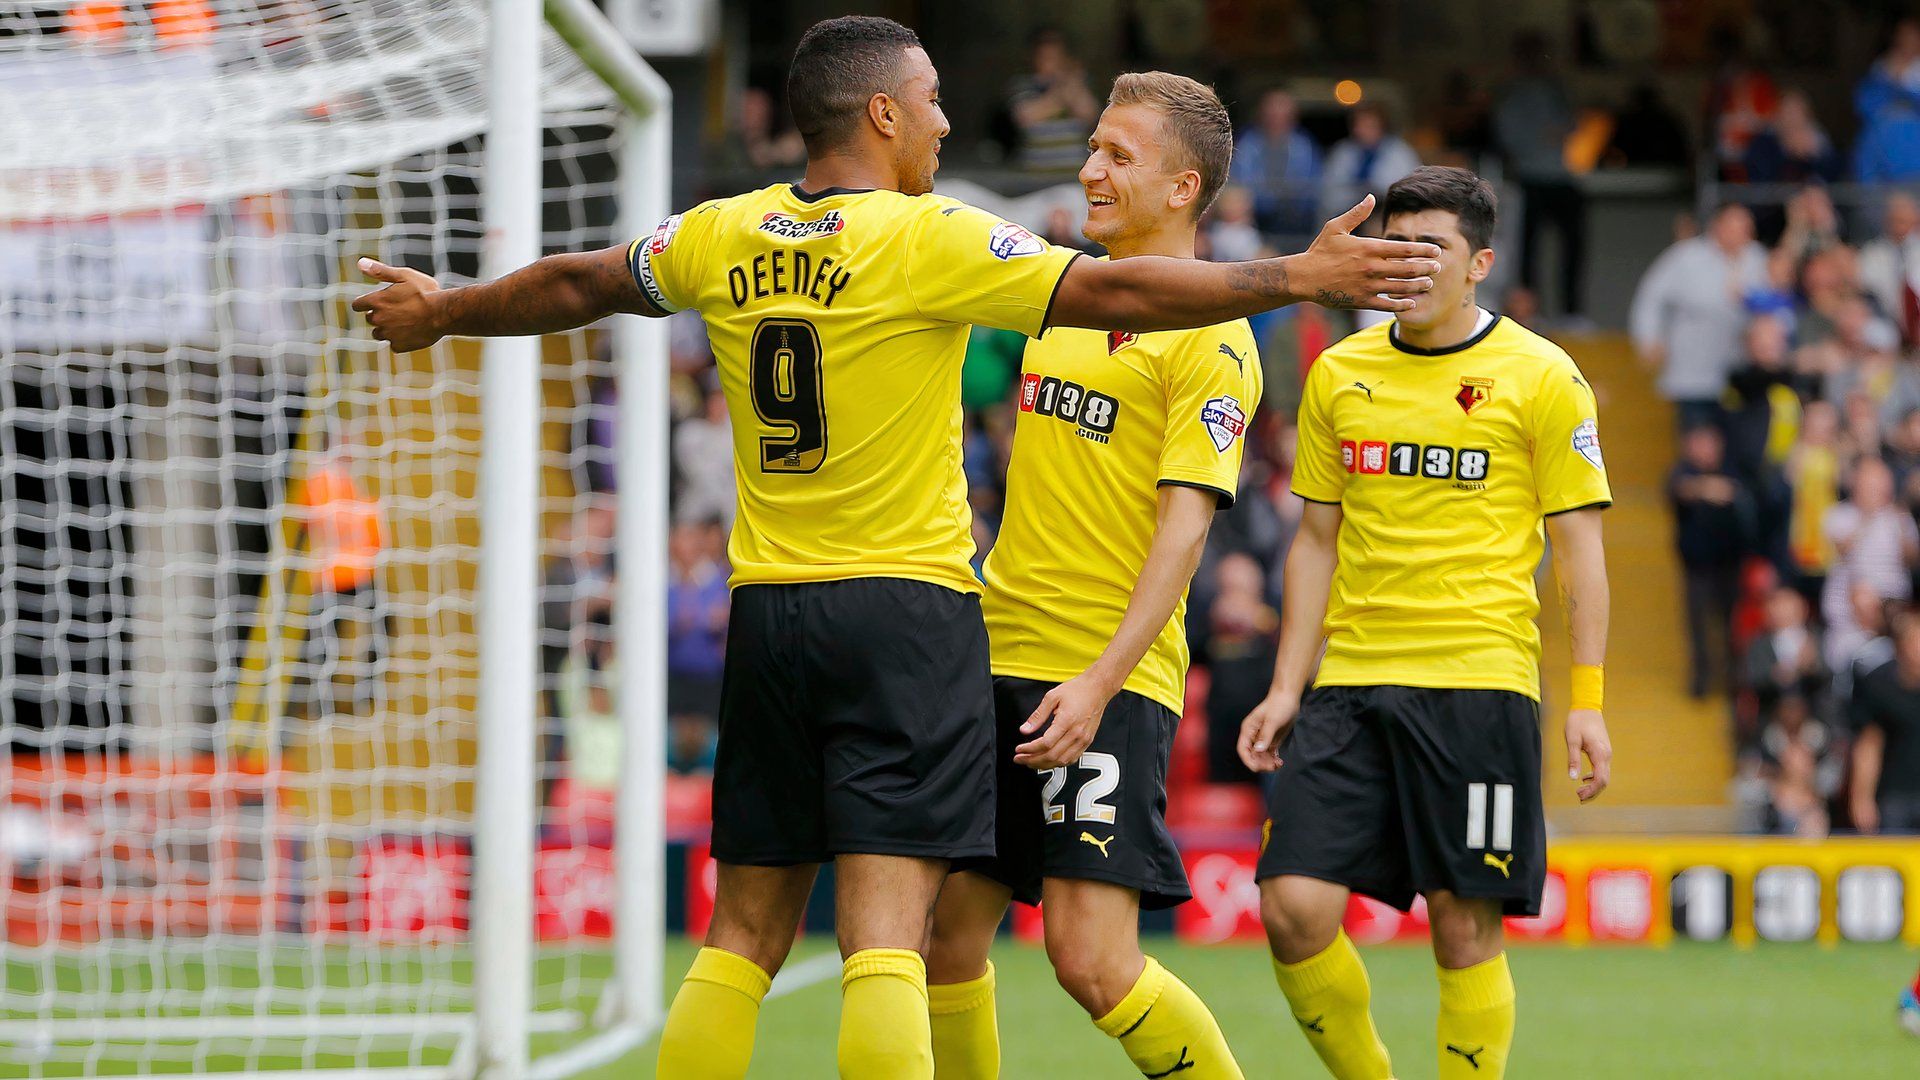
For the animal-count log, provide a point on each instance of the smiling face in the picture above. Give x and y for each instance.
(1132, 189)
(1461, 271)
(916, 120)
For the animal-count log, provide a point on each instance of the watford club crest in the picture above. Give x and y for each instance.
(1119, 339)
(1473, 392)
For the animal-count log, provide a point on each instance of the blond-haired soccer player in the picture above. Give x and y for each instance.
(1125, 446)
(855, 715)
(1431, 450)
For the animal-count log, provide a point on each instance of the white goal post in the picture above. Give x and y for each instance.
(298, 632)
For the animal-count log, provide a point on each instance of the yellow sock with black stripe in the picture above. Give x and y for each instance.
(966, 1034)
(1331, 1000)
(1476, 1020)
(885, 1033)
(709, 1032)
(1166, 1029)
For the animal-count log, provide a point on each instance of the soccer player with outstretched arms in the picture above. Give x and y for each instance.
(856, 707)
(1432, 448)
(1125, 446)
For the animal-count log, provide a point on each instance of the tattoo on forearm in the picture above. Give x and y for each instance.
(1268, 277)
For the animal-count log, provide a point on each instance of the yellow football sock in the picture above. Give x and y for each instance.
(885, 1032)
(709, 1032)
(1330, 998)
(1476, 1020)
(1165, 1029)
(966, 1035)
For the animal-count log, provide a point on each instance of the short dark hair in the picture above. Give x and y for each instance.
(1458, 191)
(837, 68)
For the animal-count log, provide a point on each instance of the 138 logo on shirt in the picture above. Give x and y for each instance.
(1466, 467)
(1091, 412)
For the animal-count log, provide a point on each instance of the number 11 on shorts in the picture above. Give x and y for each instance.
(1502, 817)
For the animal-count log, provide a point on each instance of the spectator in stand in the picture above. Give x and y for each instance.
(1874, 541)
(1785, 659)
(703, 455)
(1813, 474)
(1793, 148)
(1521, 304)
(697, 610)
(1902, 453)
(1052, 109)
(1243, 631)
(1886, 747)
(1869, 367)
(1231, 230)
(1532, 119)
(1888, 99)
(1762, 415)
(1713, 526)
(1739, 103)
(1279, 163)
(1647, 132)
(1860, 643)
(1465, 115)
(757, 139)
(1369, 159)
(1802, 767)
(1812, 225)
(1688, 317)
(1828, 280)
(1890, 266)
(589, 686)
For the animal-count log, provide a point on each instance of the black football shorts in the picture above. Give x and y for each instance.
(1398, 790)
(856, 717)
(1103, 818)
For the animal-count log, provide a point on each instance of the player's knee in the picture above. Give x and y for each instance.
(957, 952)
(1465, 932)
(759, 934)
(1295, 931)
(1098, 978)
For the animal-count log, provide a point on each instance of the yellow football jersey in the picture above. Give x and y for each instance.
(1105, 418)
(839, 323)
(1444, 464)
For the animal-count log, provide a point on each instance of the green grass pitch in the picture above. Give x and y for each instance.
(1693, 1011)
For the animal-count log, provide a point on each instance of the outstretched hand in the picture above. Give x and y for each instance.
(1341, 270)
(402, 311)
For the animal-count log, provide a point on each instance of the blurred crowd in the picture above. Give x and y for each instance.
(1794, 370)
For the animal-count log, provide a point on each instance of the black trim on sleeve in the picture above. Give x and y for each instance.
(1416, 350)
(1226, 497)
(806, 196)
(1318, 502)
(1046, 317)
(1601, 505)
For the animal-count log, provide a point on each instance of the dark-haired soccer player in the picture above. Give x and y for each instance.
(1431, 450)
(857, 705)
(1125, 446)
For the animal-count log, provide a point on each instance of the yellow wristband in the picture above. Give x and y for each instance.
(1589, 686)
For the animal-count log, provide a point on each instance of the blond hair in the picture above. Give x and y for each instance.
(1200, 133)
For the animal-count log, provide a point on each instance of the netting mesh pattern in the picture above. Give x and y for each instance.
(238, 538)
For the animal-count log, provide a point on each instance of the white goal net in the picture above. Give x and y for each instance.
(238, 541)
